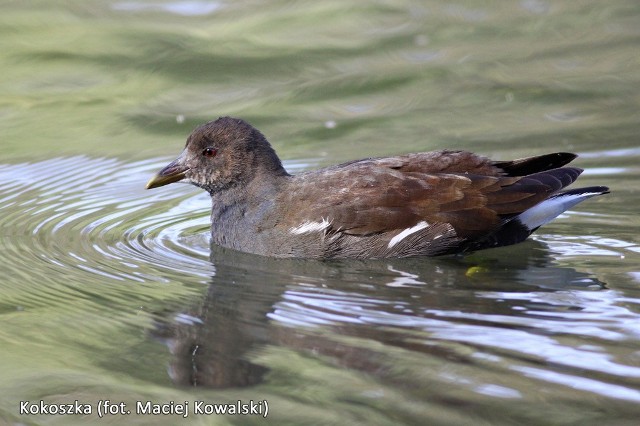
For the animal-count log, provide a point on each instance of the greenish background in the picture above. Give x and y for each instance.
(112, 292)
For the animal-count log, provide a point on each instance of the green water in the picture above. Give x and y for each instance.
(111, 292)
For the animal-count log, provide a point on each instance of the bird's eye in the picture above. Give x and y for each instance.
(209, 152)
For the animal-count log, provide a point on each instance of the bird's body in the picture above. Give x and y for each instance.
(430, 203)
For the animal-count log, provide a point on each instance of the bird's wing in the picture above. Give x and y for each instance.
(373, 196)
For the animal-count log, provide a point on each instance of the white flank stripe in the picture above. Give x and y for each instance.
(551, 208)
(310, 227)
(395, 240)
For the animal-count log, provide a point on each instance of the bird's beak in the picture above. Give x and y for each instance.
(172, 172)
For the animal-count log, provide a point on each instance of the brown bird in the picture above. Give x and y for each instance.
(422, 204)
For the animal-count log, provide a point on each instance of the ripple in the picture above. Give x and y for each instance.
(95, 216)
(589, 245)
(535, 332)
(80, 218)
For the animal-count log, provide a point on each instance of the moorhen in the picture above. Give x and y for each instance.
(421, 204)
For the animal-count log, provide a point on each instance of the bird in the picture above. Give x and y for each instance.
(447, 202)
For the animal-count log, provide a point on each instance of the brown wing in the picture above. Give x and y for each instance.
(375, 196)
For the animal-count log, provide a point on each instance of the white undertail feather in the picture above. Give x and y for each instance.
(402, 235)
(551, 208)
(308, 227)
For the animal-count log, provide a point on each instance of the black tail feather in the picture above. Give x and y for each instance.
(531, 165)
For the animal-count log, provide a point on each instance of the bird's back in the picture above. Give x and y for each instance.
(421, 204)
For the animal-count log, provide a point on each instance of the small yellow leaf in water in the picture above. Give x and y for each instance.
(475, 270)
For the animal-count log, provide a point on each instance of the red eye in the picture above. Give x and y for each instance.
(209, 152)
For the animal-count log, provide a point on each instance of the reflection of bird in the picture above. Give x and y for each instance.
(238, 331)
(429, 203)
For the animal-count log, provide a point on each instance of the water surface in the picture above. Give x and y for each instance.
(113, 292)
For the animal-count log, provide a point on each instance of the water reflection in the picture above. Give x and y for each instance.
(91, 243)
(318, 307)
(88, 258)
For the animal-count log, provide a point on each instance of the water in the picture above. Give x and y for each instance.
(111, 292)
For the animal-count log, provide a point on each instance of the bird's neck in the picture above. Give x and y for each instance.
(237, 212)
